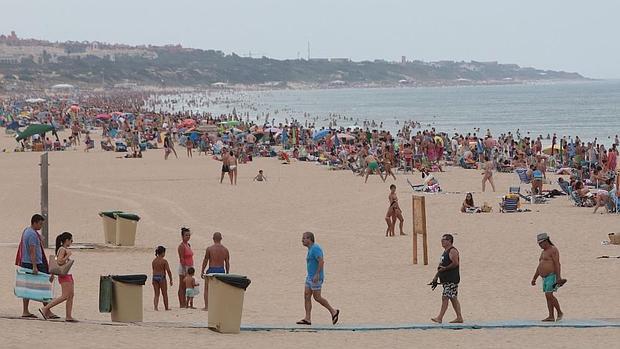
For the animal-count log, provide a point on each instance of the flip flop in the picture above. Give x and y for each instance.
(42, 314)
(53, 317)
(560, 283)
(71, 320)
(303, 322)
(335, 317)
(29, 316)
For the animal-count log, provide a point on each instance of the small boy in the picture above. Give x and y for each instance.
(191, 288)
(260, 176)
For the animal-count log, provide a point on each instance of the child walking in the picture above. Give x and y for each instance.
(191, 288)
(63, 241)
(160, 269)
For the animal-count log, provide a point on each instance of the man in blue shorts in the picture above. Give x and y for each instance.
(314, 280)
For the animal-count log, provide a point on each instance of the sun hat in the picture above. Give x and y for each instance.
(542, 237)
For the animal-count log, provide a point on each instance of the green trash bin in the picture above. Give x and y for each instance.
(126, 225)
(109, 226)
(105, 294)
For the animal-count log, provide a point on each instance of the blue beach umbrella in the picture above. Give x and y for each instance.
(320, 134)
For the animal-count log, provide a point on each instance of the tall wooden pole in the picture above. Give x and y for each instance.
(44, 199)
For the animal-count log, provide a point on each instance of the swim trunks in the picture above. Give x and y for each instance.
(225, 168)
(373, 165)
(549, 283)
(450, 290)
(216, 270)
(191, 292)
(314, 286)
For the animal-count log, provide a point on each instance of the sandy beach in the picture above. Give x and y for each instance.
(369, 277)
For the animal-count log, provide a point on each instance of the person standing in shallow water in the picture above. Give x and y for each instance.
(449, 275)
(550, 270)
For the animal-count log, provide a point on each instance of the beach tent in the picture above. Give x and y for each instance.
(34, 130)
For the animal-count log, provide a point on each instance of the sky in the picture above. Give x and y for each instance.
(569, 35)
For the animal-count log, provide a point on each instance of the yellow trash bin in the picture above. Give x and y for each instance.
(127, 298)
(226, 293)
(109, 226)
(126, 225)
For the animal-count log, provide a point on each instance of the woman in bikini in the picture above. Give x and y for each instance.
(393, 213)
(63, 241)
(487, 175)
(388, 161)
(186, 260)
(232, 167)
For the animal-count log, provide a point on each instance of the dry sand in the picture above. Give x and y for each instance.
(370, 277)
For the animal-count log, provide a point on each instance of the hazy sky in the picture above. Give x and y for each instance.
(579, 36)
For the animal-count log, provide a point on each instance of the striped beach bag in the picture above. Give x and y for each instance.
(35, 287)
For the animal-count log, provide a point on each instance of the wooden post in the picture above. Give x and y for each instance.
(419, 227)
(44, 200)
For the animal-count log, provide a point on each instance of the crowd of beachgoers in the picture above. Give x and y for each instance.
(130, 123)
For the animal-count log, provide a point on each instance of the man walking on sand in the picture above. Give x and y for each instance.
(314, 280)
(217, 258)
(448, 274)
(550, 271)
(31, 255)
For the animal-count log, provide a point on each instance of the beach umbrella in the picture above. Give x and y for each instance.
(103, 117)
(320, 134)
(345, 136)
(229, 123)
(32, 130)
(13, 126)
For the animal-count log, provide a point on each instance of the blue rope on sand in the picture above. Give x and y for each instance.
(517, 324)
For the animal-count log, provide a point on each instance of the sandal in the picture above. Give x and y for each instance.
(42, 314)
(335, 317)
(303, 322)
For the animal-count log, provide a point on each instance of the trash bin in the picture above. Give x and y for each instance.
(126, 225)
(226, 293)
(109, 226)
(105, 294)
(127, 297)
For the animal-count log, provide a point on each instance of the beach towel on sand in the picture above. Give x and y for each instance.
(36, 287)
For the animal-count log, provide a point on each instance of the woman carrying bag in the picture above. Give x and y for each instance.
(60, 266)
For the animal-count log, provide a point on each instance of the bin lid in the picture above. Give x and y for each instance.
(238, 281)
(136, 279)
(130, 216)
(109, 214)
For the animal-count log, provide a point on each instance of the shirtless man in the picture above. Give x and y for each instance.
(393, 213)
(487, 175)
(373, 165)
(225, 168)
(550, 271)
(217, 258)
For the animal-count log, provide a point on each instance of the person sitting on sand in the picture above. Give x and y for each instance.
(550, 270)
(468, 205)
(260, 176)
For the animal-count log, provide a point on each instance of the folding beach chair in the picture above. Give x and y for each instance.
(509, 204)
(522, 173)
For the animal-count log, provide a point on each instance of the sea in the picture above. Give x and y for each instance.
(590, 110)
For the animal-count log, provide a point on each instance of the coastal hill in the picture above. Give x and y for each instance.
(31, 62)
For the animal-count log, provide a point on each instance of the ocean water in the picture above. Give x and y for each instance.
(585, 109)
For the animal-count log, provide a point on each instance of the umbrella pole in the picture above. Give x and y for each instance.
(44, 200)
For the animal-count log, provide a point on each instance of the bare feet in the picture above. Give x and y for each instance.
(560, 316)
(436, 320)
(205, 309)
(549, 319)
(457, 321)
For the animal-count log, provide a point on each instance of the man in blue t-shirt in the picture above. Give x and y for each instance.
(314, 280)
(32, 256)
